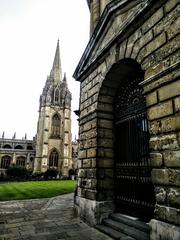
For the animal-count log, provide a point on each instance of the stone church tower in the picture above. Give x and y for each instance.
(53, 143)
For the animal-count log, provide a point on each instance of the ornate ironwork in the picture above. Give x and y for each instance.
(134, 190)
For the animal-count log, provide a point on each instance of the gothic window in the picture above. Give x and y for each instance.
(20, 161)
(7, 146)
(30, 147)
(53, 159)
(56, 97)
(18, 147)
(5, 162)
(55, 129)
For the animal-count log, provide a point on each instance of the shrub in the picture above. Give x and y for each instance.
(50, 173)
(17, 172)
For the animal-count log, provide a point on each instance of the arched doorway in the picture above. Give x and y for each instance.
(134, 189)
(53, 159)
(123, 106)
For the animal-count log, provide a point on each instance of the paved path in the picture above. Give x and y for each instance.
(44, 219)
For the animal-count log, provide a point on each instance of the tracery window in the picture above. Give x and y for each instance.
(55, 129)
(56, 97)
(53, 158)
(20, 161)
(5, 162)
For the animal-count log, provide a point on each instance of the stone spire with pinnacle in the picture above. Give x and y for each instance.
(56, 72)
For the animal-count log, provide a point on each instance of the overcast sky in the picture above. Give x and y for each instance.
(29, 30)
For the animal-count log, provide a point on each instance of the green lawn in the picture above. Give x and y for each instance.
(37, 189)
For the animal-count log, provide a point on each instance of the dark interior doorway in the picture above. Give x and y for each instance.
(134, 194)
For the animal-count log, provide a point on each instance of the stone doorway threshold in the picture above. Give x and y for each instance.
(123, 227)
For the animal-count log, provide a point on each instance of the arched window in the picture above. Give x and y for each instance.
(55, 129)
(56, 95)
(7, 146)
(5, 162)
(20, 161)
(18, 147)
(53, 158)
(29, 147)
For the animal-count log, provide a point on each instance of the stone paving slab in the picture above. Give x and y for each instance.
(44, 219)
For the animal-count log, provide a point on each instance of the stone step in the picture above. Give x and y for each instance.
(113, 233)
(133, 222)
(126, 229)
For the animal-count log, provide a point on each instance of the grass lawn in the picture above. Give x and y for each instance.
(30, 190)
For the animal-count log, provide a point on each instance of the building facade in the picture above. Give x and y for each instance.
(53, 143)
(129, 122)
(18, 152)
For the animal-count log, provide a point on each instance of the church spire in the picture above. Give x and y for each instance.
(56, 72)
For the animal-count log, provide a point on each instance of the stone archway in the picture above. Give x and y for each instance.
(123, 141)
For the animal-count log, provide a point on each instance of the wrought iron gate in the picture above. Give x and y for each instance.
(134, 190)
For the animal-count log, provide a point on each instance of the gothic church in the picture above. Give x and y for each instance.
(53, 142)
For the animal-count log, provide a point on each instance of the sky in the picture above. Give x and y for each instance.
(29, 30)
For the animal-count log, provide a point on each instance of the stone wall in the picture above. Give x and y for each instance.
(151, 39)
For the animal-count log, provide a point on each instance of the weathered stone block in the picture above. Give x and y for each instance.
(82, 173)
(155, 127)
(105, 107)
(81, 192)
(170, 5)
(89, 143)
(172, 158)
(102, 123)
(105, 152)
(173, 197)
(164, 231)
(105, 163)
(174, 177)
(105, 183)
(177, 104)
(105, 173)
(82, 154)
(152, 46)
(105, 99)
(169, 91)
(166, 177)
(91, 173)
(91, 195)
(105, 133)
(167, 214)
(160, 110)
(156, 159)
(122, 49)
(162, 80)
(156, 17)
(94, 163)
(160, 176)
(86, 163)
(170, 124)
(141, 42)
(151, 99)
(161, 195)
(79, 164)
(162, 59)
(173, 28)
(92, 152)
(88, 135)
(104, 142)
(167, 23)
